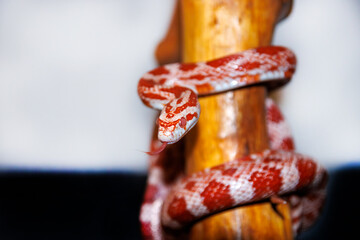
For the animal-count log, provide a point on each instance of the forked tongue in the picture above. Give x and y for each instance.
(159, 150)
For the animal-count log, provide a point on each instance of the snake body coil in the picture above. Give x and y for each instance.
(174, 89)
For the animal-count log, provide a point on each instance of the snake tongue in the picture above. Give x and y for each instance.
(157, 151)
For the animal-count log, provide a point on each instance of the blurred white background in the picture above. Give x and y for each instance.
(69, 70)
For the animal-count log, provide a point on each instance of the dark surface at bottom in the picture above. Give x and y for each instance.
(340, 218)
(70, 205)
(38, 205)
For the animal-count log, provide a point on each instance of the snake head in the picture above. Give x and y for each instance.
(178, 117)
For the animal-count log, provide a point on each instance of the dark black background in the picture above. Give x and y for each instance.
(73, 205)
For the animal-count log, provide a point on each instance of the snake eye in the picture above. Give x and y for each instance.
(182, 122)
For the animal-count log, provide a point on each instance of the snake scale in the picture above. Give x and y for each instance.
(174, 201)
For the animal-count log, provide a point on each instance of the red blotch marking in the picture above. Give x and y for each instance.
(291, 60)
(153, 96)
(249, 66)
(182, 123)
(168, 108)
(146, 230)
(159, 71)
(307, 170)
(177, 211)
(167, 124)
(229, 172)
(179, 101)
(204, 88)
(272, 50)
(169, 115)
(268, 181)
(190, 185)
(222, 61)
(192, 102)
(150, 193)
(274, 114)
(245, 159)
(197, 76)
(144, 82)
(289, 72)
(271, 159)
(177, 90)
(217, 196)
(188, 66)
(191, 116)
(273, 68)
(287, 144)
(220, 167)
(162, 81)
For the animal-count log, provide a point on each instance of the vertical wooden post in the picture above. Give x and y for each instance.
(231, 124)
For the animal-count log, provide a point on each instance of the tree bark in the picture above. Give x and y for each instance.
(231, 124)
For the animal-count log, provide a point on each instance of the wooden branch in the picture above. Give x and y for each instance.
(168, 50)
(232, 124)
